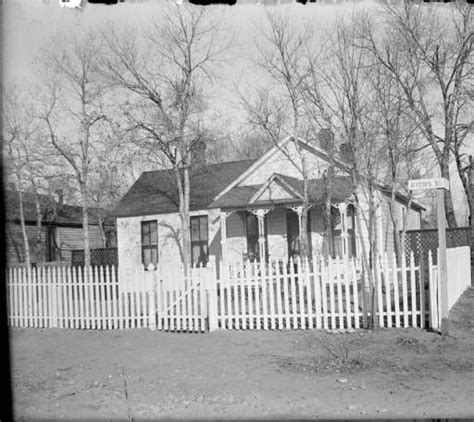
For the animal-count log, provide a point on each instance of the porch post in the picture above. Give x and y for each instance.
(260, 213)
(344, 235)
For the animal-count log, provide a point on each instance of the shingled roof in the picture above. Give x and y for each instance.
(52, 212)
(155, 192)
(240, 196)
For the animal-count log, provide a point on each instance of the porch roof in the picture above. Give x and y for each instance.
(241, 196)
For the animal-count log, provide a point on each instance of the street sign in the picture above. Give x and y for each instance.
(420, 184)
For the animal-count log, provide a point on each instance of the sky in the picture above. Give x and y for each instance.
(29, 24)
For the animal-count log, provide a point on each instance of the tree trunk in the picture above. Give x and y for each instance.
(304, 219)
(365, 266)
(372, 257)
(396, 235)
(470, 193)
(185, 220)
(26, 244)
(448, 200)
(103, 237)
(328, 213)
(85, 225)
(39, 218)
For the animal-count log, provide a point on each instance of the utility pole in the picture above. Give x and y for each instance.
(440, 185)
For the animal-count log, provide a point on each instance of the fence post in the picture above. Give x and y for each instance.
(151, 291)
(212, 294)
(54, 291)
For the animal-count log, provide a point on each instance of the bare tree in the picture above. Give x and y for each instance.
(341, 97)
(280, 111)
(71, 108)
(430, 57)
(27, 163)
(400, 144)
(14, 136)
(111, 175)
(164, 75)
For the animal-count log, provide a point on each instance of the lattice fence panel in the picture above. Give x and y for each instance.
(99, 257)
(422, 241)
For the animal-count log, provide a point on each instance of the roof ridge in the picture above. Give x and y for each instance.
(207, 165)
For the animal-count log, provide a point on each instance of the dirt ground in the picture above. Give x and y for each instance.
(138, 374)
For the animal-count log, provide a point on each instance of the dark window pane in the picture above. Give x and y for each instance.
(149, 237)
(145, 233)
(205, 252)
(194, 228)
(154, 256)
(203, 229)
(196, 250)
(153, 233)
(252, 225)
(146, 257)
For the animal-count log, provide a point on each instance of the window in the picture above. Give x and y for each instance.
(199, 240)
(149, 243)
(251, 222)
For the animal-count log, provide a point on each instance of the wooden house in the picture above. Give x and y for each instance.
(245, 210)
(61, 230)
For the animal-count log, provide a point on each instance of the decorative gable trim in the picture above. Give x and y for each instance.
(265, 157)
(272, 179)
(269, 154)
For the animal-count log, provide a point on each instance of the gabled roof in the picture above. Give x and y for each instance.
(52, 212)
(240, 196)
(156, 192)
(274, 150)
(276, 179)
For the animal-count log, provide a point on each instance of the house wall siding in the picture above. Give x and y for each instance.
(413, 222)
(15, 251)
(169, 239)
(236, 236)
(67, 238)
(384, 225)
(279, 163)
(277, 233)
(70, 238)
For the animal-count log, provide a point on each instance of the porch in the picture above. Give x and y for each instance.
(264, 223)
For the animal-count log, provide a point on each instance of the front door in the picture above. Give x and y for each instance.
(293, 233)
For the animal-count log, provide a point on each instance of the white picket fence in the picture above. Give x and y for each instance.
(318, 294)
(248, 296)
(65, 297)
(458, 269)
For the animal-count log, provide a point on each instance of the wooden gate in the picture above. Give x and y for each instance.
(183, 310)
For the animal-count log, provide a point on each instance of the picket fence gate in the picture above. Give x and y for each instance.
(279, 295)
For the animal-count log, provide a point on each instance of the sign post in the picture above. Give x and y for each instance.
(438, 184)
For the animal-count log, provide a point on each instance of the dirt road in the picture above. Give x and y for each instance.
(143, 374)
